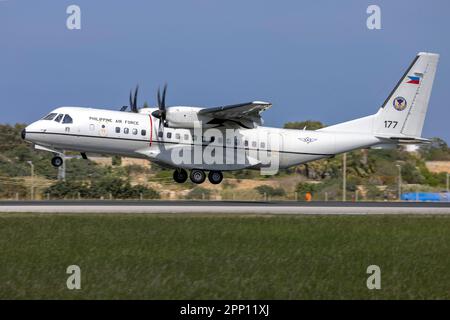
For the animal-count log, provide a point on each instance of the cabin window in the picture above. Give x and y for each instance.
(177, 136)
(143, 132)
(126, 130)
(67, 129)
(228, 141)
(117, 129)
(67, 119)
(263, 145)
(186, 137)
(50, 116)
(254, 144)
(246, 143)
(135, 131)
(59, 117)
(220, 140)
(160, 134)
(169, 135)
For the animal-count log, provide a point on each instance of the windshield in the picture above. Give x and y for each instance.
(49, 116)
(59, 117)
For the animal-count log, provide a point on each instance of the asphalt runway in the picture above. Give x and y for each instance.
(224, 207)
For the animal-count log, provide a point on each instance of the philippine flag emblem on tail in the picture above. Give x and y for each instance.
(414, 79)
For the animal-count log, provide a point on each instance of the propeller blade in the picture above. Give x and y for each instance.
(164, 97)
(161, 112)
(134, 105)
(131, 100)
(158, 96)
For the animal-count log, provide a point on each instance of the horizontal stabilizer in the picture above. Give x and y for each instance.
(406, 140)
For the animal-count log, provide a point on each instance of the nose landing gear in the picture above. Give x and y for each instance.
(57, 161)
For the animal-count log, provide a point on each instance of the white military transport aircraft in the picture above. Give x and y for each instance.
(231, 137)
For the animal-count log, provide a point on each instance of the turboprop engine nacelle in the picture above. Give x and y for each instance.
(180, 117)
(185, 117)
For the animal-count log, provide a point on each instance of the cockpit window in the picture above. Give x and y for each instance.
(59, 117)
(67, 119)
(50, 116)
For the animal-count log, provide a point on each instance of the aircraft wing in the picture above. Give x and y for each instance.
(242, 113)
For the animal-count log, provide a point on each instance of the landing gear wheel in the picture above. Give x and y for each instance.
(57, 161)
(215, 177)
(180, 175)
(197, 176)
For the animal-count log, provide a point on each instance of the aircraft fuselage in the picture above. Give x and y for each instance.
(138, 135)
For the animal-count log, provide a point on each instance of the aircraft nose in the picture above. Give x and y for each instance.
(23, 133)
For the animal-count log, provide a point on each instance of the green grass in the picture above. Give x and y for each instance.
(220, 257)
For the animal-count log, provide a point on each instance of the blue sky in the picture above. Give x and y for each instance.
(311, 59)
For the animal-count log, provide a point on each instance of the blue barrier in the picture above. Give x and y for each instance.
(426, 196)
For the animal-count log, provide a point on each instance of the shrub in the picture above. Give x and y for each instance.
(199, 193)
(304, 187)
(116, 187)
(70, 189)
(270, 191)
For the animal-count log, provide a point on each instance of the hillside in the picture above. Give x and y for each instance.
(371, 175)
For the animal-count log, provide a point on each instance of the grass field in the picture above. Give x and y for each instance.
(224, 257)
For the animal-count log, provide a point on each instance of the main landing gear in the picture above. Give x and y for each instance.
(180, 175)
(215, 177)
(57, 161)
(197, 176)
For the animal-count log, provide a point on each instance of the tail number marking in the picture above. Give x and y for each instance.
(390, 124)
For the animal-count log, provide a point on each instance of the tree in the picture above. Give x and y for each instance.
(308, 125)
(436, 150)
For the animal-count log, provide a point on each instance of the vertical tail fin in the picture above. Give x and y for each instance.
(403, 112)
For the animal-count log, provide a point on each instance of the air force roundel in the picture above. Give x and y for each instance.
(400, 103)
